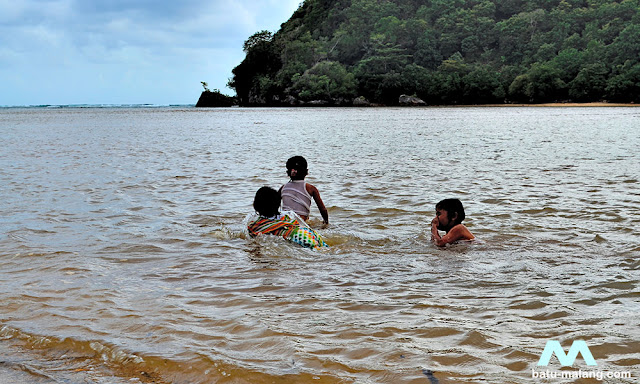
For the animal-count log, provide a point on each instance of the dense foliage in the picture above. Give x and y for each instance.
(446, 52)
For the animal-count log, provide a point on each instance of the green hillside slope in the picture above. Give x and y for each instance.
(445, 52)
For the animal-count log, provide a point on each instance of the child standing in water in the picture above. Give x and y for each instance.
(449, 216)
(297, 194)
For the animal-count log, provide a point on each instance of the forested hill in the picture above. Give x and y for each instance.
(446, 52)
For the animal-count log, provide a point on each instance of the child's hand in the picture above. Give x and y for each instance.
(435, 222)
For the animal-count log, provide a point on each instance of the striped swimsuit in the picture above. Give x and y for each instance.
(288, 228)
(296, 198)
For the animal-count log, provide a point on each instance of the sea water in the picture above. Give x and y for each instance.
(124, 258)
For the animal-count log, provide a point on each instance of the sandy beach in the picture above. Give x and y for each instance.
(594, 104)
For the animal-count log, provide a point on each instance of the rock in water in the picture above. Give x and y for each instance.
(411, 101)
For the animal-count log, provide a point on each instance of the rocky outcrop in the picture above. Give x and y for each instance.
(318, 103)
(411, 101)
(209, 99)
(361, 101)
(291, 101)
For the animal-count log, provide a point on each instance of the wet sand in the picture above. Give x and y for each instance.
(16, 375)
(21, 365)
(9, 375)
(16, 369)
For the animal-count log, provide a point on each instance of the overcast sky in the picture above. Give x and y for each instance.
(125, 51)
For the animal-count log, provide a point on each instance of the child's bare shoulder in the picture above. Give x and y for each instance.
(311, 188)
(461, 232)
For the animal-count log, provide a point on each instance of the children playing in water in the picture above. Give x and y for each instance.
(449, 216)
(271, 221)
(297, 194)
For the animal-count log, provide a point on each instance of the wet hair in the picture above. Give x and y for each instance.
(298, 163)
(452, 206)
(267, 202)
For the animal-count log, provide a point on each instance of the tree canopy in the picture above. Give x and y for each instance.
(446, 52)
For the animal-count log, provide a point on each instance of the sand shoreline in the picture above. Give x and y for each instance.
(520, 105)
(594, 104)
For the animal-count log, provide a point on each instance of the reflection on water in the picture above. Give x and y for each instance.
(123, 251)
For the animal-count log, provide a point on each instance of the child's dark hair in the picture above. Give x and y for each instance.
(298, 163)
(452, 206)
(267, 202)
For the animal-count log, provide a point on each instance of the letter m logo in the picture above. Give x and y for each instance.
(578, 346)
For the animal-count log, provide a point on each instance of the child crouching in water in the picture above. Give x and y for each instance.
(449, 216)
(271, 221)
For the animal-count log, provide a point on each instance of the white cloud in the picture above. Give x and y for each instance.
(125, 51)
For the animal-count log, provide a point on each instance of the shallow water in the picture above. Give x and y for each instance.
(123, 255)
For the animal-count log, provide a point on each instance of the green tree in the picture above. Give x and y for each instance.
(521, 89)
(589, 84)
(568, 63)
(252, 79)
(514, 38)
(541, 84)
(546, 52)
(450, 79)
(483, 86)
(625, 86)
(256, 39)
(415, 80)
(447, 51)
(410, 33)
(327, 80)
(302, 49)
(427, 53)
(626, 46)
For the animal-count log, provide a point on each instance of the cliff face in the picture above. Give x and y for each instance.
(331, 52)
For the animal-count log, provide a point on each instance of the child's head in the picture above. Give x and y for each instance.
(297, 168)
(454, 210)
(267, 202)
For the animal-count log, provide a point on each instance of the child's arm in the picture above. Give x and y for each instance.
(435, 236)
(459, 232)
(313, 191)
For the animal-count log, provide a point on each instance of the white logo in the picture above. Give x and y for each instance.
(578, 346)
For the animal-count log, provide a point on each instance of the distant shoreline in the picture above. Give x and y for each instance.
(511, 105)
(107, 106)
(507, 105)
(572, 104)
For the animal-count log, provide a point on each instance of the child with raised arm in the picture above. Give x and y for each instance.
(449, 216)
(297, 194)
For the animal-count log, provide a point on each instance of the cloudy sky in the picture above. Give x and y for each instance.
(125, 51)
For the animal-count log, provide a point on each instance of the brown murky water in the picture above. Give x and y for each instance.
(123, 255)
